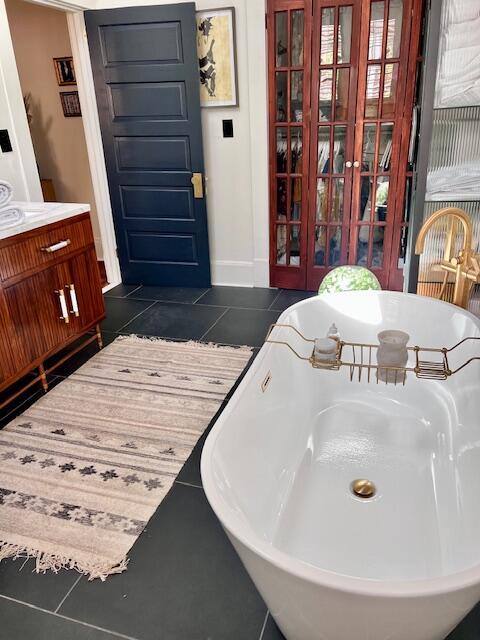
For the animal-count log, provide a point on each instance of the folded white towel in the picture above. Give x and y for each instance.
(11, 217)
(6, 193)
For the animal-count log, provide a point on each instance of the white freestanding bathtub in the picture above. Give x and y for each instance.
(278, 465)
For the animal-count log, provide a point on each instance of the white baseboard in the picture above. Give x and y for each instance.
(261, 272)
(232, 273)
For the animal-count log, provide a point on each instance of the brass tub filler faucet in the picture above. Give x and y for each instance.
(465, 265)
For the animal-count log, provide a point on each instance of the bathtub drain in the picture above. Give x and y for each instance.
(363, 488)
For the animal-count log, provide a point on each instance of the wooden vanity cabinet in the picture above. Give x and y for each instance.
(50, 295)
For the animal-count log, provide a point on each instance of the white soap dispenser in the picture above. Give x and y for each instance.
(333, 332)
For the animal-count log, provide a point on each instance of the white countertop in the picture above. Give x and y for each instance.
(39, 214)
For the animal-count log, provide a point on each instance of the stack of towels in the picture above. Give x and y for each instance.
(11, 215)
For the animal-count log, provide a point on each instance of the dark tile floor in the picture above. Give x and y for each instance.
(184, 581)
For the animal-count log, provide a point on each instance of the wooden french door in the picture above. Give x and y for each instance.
(340, 127)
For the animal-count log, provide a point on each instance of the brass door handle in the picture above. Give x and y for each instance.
(73, 299)
(197, 181)
(63, 306)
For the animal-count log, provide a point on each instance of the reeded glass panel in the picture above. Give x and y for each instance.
(368, 153)
(341, 93)
(339, 135)
(295, 244)
(362, 245)
(337, 200)
(282, 149)
(296, 96)
(373, 90)
(394, 28)
(281, 199)
(327, 36)
(281, 92)
(335, 246)
(296, 146)
(281, 39)
(281, 244)
(322, 200)
(378, 234)
(320, 246)
(297, 38)
(385, 146)
(366, 189)
(389, 89)
(381, 198)
(375, 38)
(344, 34)
(325, 95)
(296, 199)
(323, 150)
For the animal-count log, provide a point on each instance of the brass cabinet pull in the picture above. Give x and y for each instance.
(73, 299)
(197, 181)
(57, 246)
(63, 305)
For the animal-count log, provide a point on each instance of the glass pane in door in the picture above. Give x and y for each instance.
(297, 38)
(344, 34)
(375, 40)
(394, 28)
(327, 36)
(281, 39)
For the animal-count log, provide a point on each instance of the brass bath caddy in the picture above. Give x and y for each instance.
(360, 357)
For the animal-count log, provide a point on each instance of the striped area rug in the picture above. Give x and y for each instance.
(84, 468)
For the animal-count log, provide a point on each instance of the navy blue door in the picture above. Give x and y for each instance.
(145, 70)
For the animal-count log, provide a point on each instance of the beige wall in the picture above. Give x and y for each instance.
(40, 34)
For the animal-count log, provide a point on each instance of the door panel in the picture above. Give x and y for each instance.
(334, 72)
(289, 60)
(86, 296)
(146, 79)
(379, 117)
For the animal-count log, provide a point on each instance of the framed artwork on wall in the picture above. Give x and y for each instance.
(216, 48)
(70, 104)
(65, 71)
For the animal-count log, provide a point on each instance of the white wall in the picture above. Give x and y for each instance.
(17, 166)
(237, 168)
(40, 34)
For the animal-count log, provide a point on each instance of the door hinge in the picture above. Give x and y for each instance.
(266, 21)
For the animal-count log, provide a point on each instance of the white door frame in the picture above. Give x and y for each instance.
(91, 123)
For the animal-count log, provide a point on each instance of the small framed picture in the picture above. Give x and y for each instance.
(65, 71)
(216, 49)
(70, 104)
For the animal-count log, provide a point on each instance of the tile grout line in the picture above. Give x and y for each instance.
(68, 593)
(135, 317)
(139, 287)
(114, 634)
(264, 626)
(212, 306)
(216, 321)
(201, 296)
(274, 300)
(188, 484)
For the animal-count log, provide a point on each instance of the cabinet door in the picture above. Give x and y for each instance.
(84, 291)
(37, 311)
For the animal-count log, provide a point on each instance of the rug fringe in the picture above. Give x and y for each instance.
(133, 337)
(52, 562)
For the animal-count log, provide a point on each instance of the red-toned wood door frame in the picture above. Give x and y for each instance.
(288, 275)
(323, 220)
